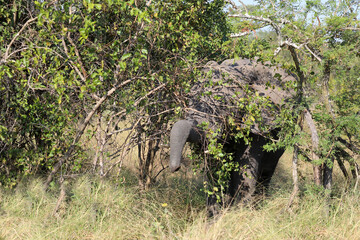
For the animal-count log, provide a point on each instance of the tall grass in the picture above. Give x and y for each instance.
(174, 209)
(98, 209)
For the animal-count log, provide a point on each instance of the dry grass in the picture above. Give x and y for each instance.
(174, 209)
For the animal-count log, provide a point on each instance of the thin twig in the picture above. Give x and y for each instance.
(232, 4)
(312, 53)
(73, 65)
(246, 10)
(78, 55)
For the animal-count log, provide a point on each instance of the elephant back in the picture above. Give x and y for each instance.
(269, 81)
(216, 96)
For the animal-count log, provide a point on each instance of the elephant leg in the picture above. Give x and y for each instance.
(267, 169)
(212, 206)
(236, 178)
(244, 182)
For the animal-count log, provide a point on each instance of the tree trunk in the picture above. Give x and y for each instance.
(357, 170)
(327, 177)
(315, 145)
(147, 162)
(295, 191)
(343, 169)
(326, 79)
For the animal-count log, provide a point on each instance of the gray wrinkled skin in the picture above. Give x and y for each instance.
(235, 75)
(226, 82)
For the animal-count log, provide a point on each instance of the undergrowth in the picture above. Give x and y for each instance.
(173, 209)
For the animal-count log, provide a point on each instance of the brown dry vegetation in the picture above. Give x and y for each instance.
(114, 208)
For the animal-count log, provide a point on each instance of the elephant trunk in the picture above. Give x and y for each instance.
(183, 131)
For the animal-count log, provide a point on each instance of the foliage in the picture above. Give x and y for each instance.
(35, 113)
(66, 65)
(124, 69)
(319, 42)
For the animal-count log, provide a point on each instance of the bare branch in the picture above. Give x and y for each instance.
(259, 18)
(312, 53)
(236, 35)
(282, 43)
(123, 149)
(277, 50)
(291, 44)
(135, 104)
(272, 3)
(16, 51)
(244, 6)
(232, 4)
(351, 28)
(6, 55)
(247, 16)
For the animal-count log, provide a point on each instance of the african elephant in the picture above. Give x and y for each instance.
(235, 76)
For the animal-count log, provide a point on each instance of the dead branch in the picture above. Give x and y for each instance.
(312, 53)
(236, 35)
(351, 28)
(236, 7)
(123, 148)
(232, 4)
(247, 16)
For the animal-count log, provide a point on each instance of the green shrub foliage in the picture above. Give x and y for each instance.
(60, 58)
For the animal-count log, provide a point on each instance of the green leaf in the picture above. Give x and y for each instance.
(126, 56)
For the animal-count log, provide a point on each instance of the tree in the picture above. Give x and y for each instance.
(322, 40)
